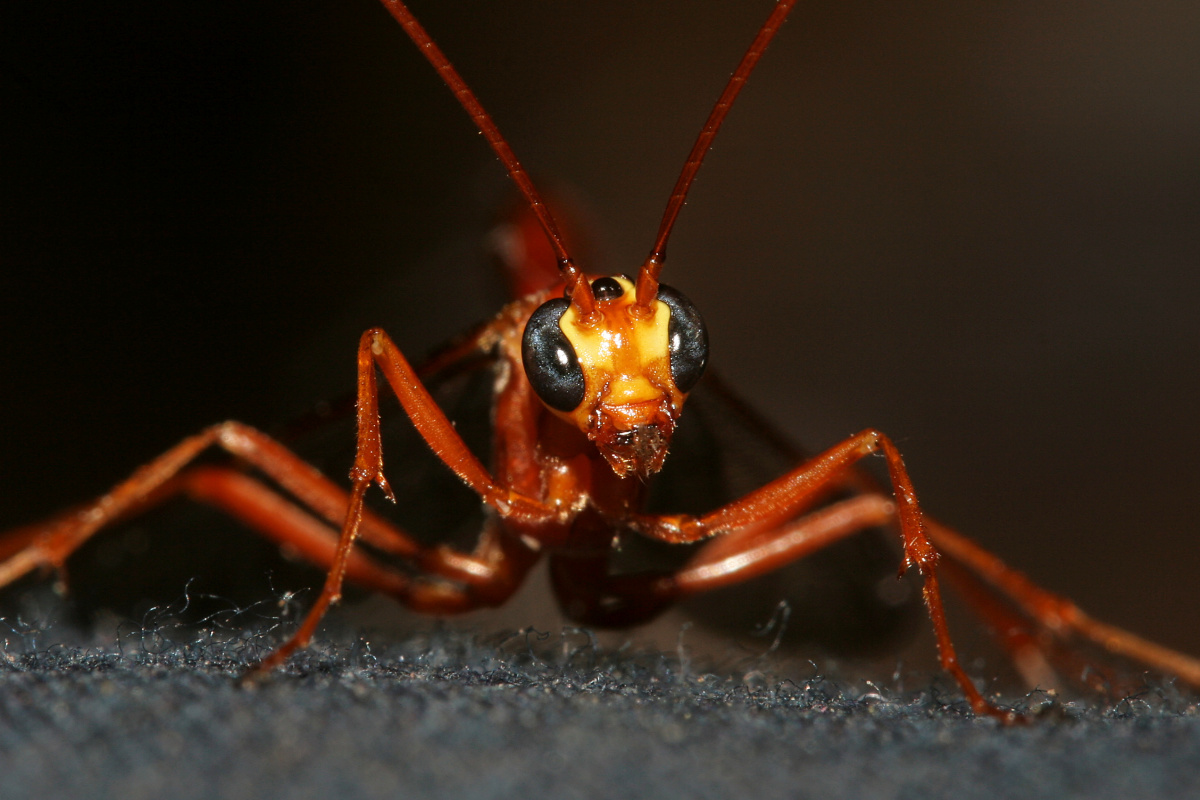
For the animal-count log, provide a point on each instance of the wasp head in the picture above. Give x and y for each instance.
(619, 374)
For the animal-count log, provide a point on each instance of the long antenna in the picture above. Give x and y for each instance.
(580, 290)
(647, 285)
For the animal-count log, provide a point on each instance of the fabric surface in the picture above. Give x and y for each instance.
(159, 711)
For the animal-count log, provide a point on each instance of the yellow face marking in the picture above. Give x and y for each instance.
(625, 357)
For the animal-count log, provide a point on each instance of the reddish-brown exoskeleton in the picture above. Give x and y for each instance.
(592, 374)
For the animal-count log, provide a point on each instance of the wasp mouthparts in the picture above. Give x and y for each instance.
(634, 438)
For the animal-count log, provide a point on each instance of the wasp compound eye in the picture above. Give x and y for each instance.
(687, 338)
(550, 362)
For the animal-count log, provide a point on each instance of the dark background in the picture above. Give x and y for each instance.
(975, 228)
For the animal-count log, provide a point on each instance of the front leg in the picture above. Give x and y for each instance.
(377, 350)
(756, 519)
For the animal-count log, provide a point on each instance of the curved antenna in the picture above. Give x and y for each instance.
(647, 284)
(581, 291)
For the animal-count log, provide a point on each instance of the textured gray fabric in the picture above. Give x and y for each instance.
(161, 713)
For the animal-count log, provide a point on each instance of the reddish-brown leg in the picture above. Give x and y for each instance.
(48, 544)
(745, 554)
(1036, 654)
(482, 578)
(780, 500)
(376, 350)
(1053, 613)
(1032, 624)
(594, 597)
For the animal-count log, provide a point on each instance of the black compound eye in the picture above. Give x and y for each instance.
(687, 338)
(550, 362)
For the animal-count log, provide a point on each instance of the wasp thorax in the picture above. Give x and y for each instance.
(621, 375)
